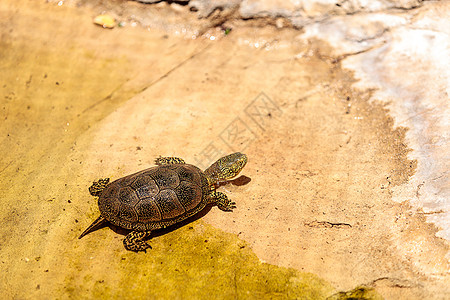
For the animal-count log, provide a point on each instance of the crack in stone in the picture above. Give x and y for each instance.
(105, 98)
(343, 56)
(326, 224)
(175, 68)
(394, 282)
(441, 211)
(151, 84)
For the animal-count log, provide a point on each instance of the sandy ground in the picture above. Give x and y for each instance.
(80, 102)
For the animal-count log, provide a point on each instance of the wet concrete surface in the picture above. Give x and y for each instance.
(317, 217)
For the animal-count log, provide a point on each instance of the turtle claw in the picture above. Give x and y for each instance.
(143, 247)
(222, 201)
(227, 206)
(138, 247)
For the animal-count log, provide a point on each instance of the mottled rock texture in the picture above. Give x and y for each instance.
(344, 123)
(299, 13)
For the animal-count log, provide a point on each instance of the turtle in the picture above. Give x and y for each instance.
(161, 196)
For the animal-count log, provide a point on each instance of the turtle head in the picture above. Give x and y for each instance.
(227, 167)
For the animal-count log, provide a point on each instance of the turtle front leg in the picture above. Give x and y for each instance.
(98, 186)
(222, 201)
(169, 161)
(134, 241)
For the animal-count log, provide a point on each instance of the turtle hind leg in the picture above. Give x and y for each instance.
(222, 201)
(134, 241)
(98, 186)
(169, 161)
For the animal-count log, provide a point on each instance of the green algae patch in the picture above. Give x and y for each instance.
(198, 262)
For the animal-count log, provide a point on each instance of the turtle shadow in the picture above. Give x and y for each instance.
(240, 181)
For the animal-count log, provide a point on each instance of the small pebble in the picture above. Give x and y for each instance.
(106, 21)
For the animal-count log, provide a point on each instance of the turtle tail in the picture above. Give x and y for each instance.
(100, 220)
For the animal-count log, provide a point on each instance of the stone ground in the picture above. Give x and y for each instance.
(319, 210)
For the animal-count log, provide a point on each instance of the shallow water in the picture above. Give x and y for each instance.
(80, 102)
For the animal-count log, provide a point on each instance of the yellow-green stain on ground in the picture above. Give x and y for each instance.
(195, 262)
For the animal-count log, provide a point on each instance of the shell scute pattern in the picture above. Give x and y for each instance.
(187, 193)
(156, 195)
(169, 205)
(109, 207)
(148, 211)
(111, 191)
(145, 187)
(190, 174)
(127, 214)
(127, 180)
(166, 178)
(128, 196)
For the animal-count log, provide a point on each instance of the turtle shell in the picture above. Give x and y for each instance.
(155, 198)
